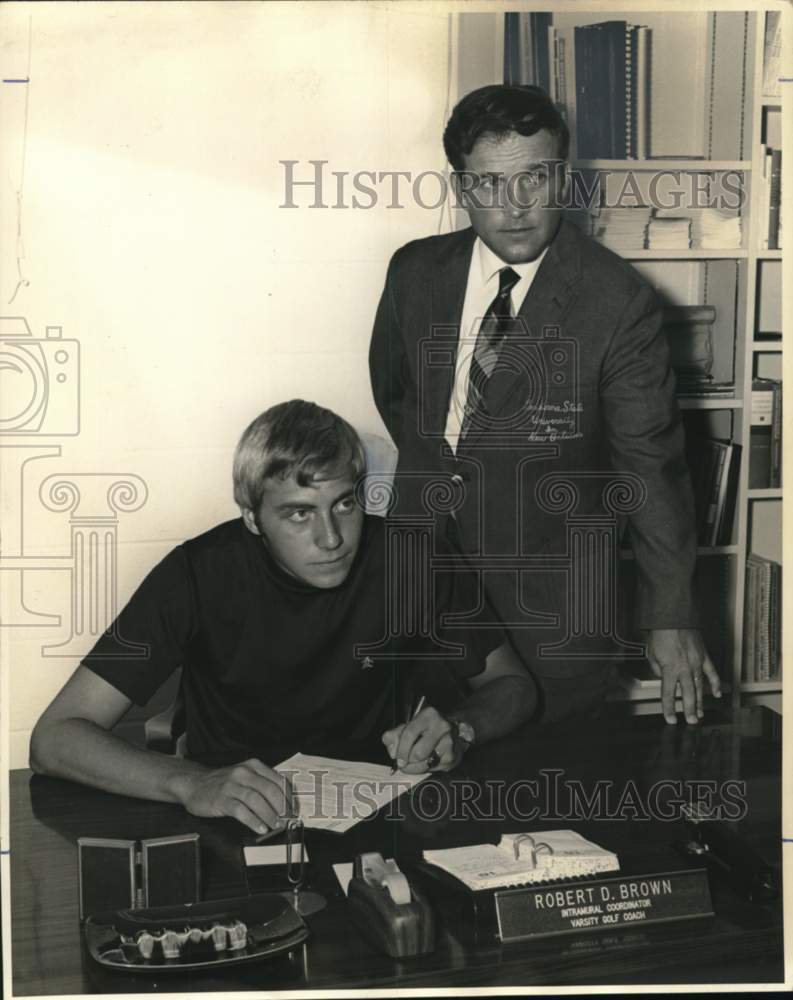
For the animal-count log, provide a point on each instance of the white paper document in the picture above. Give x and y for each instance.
(337, 794)
(272, 854)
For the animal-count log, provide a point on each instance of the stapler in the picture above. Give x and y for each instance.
(390, 912)
(729, 856)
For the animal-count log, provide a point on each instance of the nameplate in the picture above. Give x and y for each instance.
(609, 903)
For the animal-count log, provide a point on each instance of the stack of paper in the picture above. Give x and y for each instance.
(494, 866)
(715, 229)
(669, 233)
(622, 228)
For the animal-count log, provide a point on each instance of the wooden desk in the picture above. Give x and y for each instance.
(741, 944)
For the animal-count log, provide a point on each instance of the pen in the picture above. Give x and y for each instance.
(411, 717)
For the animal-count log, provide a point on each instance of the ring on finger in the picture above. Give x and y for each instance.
(433, 760)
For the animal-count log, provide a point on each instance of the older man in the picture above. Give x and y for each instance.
(519, 353)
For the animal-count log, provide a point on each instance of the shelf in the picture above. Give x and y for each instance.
(769, 255)
(683, 254)
(761, 687)
(635, 689)
(767, 346)
(769, 494)
(689, 403)
(702, 166)
(702, 550)
(649, 689)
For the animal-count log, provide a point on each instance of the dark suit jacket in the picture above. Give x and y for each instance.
(586, 389)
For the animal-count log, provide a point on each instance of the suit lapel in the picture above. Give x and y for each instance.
(546, 302)
(449, 280)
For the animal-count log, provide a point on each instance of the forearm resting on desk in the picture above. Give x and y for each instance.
(72, 740)
(81, 750)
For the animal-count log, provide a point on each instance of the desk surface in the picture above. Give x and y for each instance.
(741, 944)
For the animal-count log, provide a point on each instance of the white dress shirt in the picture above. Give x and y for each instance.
(480, 290)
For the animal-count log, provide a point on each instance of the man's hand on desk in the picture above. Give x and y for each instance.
(678, 656)
(250, 792)
(411, 745)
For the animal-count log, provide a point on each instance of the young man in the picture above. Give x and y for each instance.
(264, 614)
(592, 344)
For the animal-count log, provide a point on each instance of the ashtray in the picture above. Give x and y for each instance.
(208, 935)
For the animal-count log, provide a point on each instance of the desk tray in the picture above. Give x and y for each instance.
(273, 927)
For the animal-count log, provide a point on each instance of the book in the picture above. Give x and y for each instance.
(776, 437)
(765, 434)
(762, 619)
(641, 92)
(714, 466)
(765, 195)
(560, 70)
(728, 495)
(761, 417)
(528, 40)
(612, 79)
(775, 625)
(772, 51)
(759, 458)
(749, 620)
(540, 24)
(774, 198)
(509, 863)
(763, 671)
(703, 456)
(710, 527)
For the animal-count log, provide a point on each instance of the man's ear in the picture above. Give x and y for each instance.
(249, 517)
(462, 181)
(563, 188)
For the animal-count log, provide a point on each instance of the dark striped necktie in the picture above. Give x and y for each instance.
(489, 340)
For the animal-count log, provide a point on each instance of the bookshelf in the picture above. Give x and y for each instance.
(692, 254)
(708, 115)
(669, 163)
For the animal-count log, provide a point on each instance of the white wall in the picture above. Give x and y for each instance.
(153, 235)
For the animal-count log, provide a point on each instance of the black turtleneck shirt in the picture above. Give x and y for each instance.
(270, 664)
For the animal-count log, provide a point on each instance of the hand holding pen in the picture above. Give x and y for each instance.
(423, 743)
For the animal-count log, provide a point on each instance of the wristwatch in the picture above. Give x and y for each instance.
(463, 731)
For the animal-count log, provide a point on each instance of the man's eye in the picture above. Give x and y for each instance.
(346, 506)
(299, 516)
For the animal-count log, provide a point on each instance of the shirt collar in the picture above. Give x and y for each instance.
(490, 264)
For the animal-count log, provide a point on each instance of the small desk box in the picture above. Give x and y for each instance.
(127, 874)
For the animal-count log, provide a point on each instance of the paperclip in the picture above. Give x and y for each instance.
(295, 833)
(304, 902)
